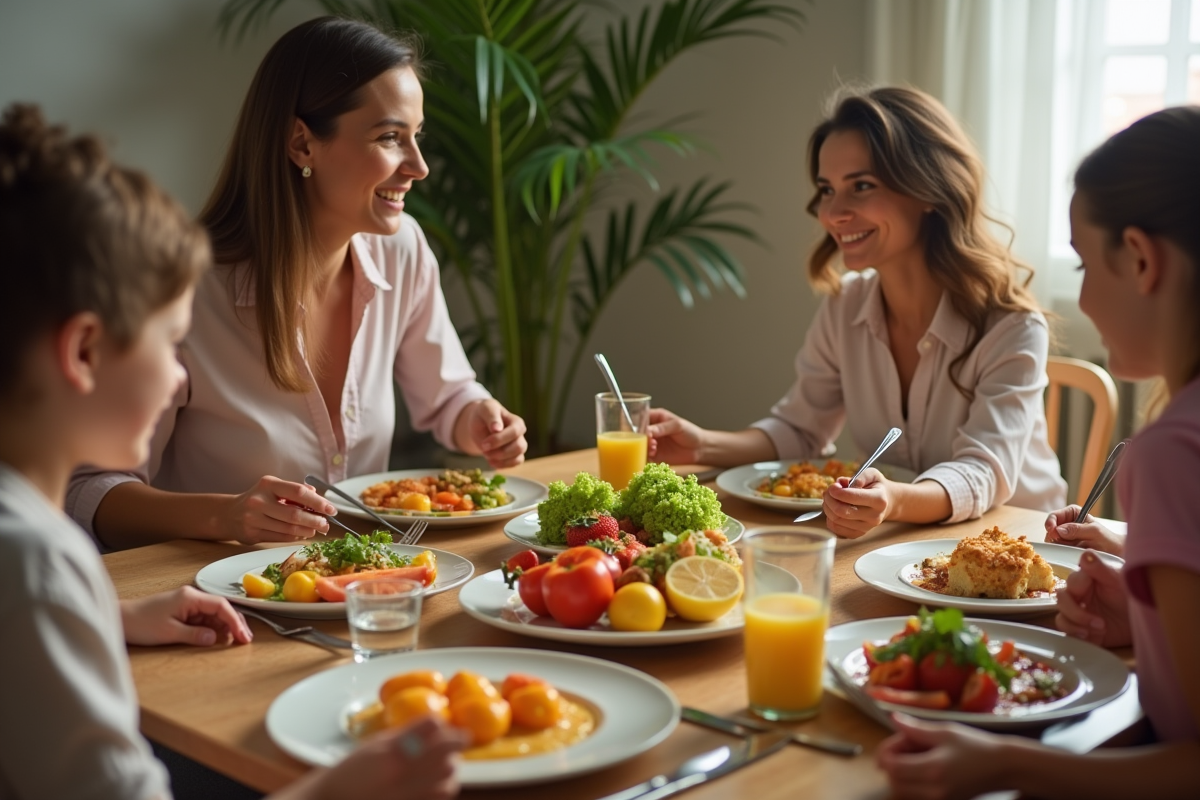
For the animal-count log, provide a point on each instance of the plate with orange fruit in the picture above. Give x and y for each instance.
(441, 497)
(533, 716)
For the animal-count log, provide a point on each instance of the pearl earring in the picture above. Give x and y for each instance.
(306, 172)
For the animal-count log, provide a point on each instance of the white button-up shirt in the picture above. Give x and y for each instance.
(985, 452)
(231, 425)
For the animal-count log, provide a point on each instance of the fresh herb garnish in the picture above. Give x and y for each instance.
(357, 550)
(944, 631)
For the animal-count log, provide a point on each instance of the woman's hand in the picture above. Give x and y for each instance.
(489, 429)
(940, 760)
(184, 616)
(852, 512)
(1063, 527)
(413, 762)
(673, 439)
(275, 510)
(1095, 605)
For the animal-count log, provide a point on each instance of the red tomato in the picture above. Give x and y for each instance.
(578, 555)
(524, 560)
(980, 694)
(937, 672)
(899, 673)
(529, 586)
(577, 594)
(869, 654)
(934, 700)
(1007, 652)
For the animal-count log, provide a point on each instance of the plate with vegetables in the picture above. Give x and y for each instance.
(310, 582)
(315, 719)
(794, 485)
(446, 499)
(939, 665)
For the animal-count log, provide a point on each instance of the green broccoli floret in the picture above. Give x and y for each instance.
(587, 494)
(645, 490)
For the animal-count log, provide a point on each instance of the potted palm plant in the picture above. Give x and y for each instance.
(531, 122)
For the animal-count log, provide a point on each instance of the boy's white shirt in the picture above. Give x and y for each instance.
(69, 727)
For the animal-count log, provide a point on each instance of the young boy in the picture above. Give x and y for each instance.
(98, 268)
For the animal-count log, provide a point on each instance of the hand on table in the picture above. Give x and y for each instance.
(673, 439)
(852, 512)
(275, 510)
(184, 616)
(496, 433)
(1063, 527)
(1095, 605)
(939, 760)
(417, 761)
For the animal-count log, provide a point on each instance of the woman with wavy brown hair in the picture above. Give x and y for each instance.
(325, 296)
(929, 328)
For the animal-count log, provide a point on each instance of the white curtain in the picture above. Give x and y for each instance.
(991, 62)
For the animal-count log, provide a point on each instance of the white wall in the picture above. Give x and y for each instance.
(153, 77)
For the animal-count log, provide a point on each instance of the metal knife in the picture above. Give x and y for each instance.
(325, 486)
(855, 694)
(739, 727)
(705, 767)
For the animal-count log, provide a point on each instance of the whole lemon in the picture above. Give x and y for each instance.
(637, 607)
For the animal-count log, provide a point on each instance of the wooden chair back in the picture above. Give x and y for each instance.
(1098, 385)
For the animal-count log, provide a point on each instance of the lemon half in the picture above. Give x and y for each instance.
(701, 588)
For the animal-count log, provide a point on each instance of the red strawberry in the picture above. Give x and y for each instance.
(583, 529)
(626, 525)
(630, 552)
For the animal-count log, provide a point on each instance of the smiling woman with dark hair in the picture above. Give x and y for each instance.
(324, 296)
(929, 329)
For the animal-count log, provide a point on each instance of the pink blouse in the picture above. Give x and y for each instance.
(1157, 484)
(985, 452)
(230, 425)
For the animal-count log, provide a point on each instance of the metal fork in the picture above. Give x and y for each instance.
(306, 633)
(409, 537)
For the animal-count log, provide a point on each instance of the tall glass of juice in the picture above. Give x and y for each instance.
(622, 449)
(786, 606)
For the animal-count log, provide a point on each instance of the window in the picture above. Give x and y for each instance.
(1115, 61)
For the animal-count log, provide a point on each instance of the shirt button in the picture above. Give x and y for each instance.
(350, 414)
(337, 459)
(925, 345)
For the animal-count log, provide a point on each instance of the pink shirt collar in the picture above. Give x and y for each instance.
(360, 257)
(947, 325)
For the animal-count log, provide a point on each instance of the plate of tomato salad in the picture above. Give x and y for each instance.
(927, 682)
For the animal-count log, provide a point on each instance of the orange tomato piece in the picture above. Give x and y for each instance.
(519, 680)
(448, 499)
(429, 678)
(469, 684)
(484, 718)
(536, 706)
(412, 703)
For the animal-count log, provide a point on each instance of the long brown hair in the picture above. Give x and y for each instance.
(257, 211)
(1148, 176)
(80, 233)
(918, 150)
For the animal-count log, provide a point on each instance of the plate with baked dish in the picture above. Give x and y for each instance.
(794, 485)
(992, 573)
(446, 498)
(987, 673)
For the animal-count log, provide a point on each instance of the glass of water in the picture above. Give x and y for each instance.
(384, 615)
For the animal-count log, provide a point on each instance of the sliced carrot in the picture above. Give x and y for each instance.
(333, 589)
(448, 498)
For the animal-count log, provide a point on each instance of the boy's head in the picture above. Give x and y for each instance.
(97, 265)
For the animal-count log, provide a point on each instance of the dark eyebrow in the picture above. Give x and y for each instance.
(849, 177)
(394, 123)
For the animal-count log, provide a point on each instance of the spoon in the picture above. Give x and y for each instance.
(891, 437)
(602, 362)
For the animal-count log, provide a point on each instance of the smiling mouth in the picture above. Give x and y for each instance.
(391, 195)
(851, 238)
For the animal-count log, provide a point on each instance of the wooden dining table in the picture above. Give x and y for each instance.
(210, 704)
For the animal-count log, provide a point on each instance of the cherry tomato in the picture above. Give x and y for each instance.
(901, 697)
(1007, 652)
(465, 685)
(404, 706)
(938, 672)
(981, 694)
(429, 678)
(529, 585)
(536, 706)
(519, 680)
(577, 555)
(899, 673)
(524, 560)
(577, 594)
(485, 718)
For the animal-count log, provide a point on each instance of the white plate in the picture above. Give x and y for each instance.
(488, 600)
(1092, 675)
(220, 578)
(524, 530)
(636, 711)
(742, 481)
(890, 568)
(525, 494)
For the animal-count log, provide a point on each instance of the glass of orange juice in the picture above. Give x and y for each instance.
(786, 607)
(622, 451)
